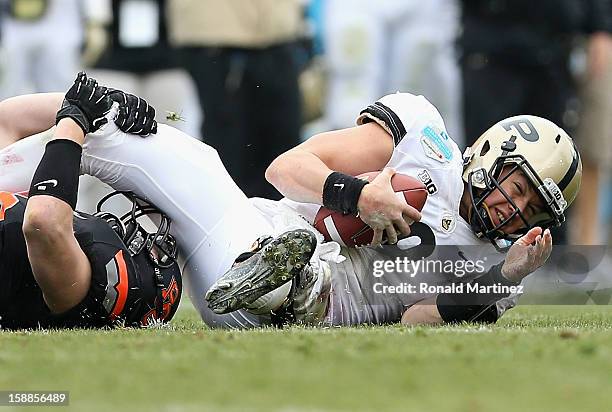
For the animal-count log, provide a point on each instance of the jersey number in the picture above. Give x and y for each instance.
(7, 200)
(427, 244)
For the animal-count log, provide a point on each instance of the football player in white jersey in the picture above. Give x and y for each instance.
(214, 222)
(512, 185)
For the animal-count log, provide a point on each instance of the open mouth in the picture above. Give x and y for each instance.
(500, 216)
(496, 217)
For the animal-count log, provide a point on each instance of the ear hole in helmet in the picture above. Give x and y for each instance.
(558, 138)
(485, 148)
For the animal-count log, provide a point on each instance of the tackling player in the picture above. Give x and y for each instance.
(212, 220)
(60, 268)
(513, 184)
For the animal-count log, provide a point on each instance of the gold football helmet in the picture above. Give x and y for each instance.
(542, 151)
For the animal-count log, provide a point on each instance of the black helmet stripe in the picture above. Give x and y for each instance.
(571, 172)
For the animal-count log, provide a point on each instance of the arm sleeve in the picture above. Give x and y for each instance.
(475, 306)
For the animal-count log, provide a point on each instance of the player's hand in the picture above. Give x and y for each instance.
(136, 115)
(527, 254)
(85, 103)
(381, 209)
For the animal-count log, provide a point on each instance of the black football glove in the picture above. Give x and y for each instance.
(136, 116)
(86, 103)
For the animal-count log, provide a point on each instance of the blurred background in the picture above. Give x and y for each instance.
(255, 77)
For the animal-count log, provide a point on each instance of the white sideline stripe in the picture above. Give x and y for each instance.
(331, 229)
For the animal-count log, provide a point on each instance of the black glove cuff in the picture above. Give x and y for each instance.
(341, 193)
(75, 113)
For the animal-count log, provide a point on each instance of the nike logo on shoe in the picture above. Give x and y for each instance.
(46, 183)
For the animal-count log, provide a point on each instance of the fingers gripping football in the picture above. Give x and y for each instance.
(383, 211)
(391, 213)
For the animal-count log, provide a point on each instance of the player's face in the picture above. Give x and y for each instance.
(518, 187)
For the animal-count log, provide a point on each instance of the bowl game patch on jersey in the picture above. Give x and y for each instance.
(436, 144)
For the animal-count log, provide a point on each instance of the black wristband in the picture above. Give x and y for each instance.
(57, 173)
(341, 193)
(476, 302)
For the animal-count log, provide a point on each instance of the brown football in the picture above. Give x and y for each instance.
(350, 230)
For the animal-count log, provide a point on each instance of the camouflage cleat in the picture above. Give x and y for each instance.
(276, 263)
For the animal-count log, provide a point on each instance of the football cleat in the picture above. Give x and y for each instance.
(310, 296)
(276, 263)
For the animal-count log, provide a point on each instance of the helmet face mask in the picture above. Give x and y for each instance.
(523, 145)
(153, 254)
(160, 246)
(504, 170)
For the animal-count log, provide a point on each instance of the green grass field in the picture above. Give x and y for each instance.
(537, 358)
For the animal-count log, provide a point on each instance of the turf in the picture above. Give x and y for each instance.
(537, 358)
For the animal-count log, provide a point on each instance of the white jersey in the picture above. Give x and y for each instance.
(423, 149)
